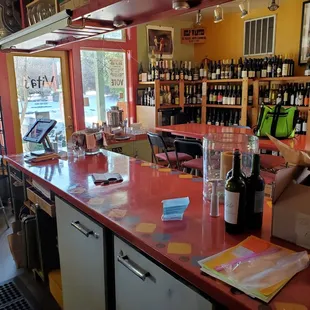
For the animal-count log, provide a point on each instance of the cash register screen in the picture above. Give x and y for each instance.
(39, 130)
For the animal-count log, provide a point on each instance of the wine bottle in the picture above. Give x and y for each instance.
(235, 199)
(172, 71)
(239, 94)
(244, 73)
(269, 68)
(285, 67)
(305, 125)
(181, 71)
(185, 71)
(307, 96)
(220, 96)
(218, 71)
(198, 119)
(177, 73)
(225, 98)
(250, 95)
(279, 68)
(240, 68)
(298, 128)
(286, 96)
(189, 71)
(255, 187)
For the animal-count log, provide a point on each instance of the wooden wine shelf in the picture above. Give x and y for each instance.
(304, 109)
(169, 82)
(286, 79)
(147, 83)
(169, 106)
(194, 82)
(221, 106)
(192, 106)
(226, 81)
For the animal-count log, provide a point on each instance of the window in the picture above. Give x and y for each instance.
(104, 84)
(259, 36)
(118, 35)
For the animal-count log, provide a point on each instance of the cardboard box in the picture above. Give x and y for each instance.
(71, 4)
(291, 206)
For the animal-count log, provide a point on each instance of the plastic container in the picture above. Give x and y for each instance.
(217, 160)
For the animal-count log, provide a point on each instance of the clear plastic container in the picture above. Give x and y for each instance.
(217, 159)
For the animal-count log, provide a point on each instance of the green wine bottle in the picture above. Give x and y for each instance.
(255, 196)
(235, 199)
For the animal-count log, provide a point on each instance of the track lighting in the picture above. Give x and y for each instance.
(118, 23)
(218, 14)
(198, 18)
(274, 5)
(244, 8)
(180, 5)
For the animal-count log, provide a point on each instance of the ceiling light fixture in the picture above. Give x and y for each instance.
(198, 18)
(218, 14)
(244, 8)
(180, 5)
(274, 5)
(118, 23)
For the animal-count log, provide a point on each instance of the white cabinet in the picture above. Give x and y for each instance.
(81, 251)
(140, 284)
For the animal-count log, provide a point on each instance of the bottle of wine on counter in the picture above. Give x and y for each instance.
(235, 199)
(255, 188)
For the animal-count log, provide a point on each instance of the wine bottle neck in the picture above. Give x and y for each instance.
(256, 165)
(236, 166)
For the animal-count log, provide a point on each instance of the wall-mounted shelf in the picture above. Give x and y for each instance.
(221, 106)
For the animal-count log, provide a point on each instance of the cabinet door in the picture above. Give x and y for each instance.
(143, 150)
(141, 285)
(80, 243)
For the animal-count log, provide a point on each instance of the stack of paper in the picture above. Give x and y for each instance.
(173, 209)
(256, 267)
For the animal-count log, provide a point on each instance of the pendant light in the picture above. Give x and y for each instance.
(180, 5)
(244, 8)
(198, 18)
(218, 14)
(274, 5)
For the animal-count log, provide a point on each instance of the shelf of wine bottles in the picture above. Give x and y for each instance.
(193, 94)
(193, 115)
(268, 67)
(146, 97)
(226, 95)
(169, 95)
(302, 124)
(291, 94)
(220, 117)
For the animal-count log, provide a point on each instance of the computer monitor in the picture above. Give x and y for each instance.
(39, 131)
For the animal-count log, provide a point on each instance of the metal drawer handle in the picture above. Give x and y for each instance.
(85, 231)
(132, 266)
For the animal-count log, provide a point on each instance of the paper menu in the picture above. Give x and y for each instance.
(256, 267)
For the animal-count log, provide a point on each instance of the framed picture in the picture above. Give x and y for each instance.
(304, 49)
(160, 39)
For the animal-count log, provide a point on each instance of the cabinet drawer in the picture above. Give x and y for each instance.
(38, 198)
(140, 284)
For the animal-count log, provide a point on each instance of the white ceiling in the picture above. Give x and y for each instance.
(230, 7)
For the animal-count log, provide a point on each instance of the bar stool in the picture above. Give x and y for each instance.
(192, 148)
(168, 157)
(4, 213)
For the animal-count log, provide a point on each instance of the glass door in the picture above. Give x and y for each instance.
(42, 89)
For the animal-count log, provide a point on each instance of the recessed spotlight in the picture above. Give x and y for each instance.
(218, 14)
(274, 5)
(244, 8)
(180, 5)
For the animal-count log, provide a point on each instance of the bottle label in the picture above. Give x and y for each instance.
(285, 97)
(190, 78)
(201, 73)
(168, 76)
(264, 73)
(292, 100)
(298, 128)
(285, 70)
(213, 77)
(225, 100)
(306, 101)
(300, 100)
(307, 72)
(185, 77)
(244, 74)
(218, 71)
(269, 69)
(238, 101)
(304, 127)
(231, 207)
(177, 77)
(220, 99)
(259, 202)
(233, 100)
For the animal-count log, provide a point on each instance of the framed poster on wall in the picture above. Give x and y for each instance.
(160, 39)
(304, 49)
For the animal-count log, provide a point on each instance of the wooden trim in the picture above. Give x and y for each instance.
(244, 104)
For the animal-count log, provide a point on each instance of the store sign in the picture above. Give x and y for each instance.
(116, 73)
(193, 35)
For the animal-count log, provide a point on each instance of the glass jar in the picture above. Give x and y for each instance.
(217, 159)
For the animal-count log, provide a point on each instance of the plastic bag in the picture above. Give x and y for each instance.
(265, 269)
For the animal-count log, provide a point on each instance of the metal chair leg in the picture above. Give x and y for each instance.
(4, 213)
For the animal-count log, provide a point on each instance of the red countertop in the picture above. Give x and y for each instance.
(198, 131)
(133, 209)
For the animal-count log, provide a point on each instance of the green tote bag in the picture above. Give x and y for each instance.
(277, 121)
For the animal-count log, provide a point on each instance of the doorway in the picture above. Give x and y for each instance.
(41, 91)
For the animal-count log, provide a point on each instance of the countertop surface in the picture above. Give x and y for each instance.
(198, 131)
(133, 208)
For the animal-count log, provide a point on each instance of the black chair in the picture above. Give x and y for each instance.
(170, 158)
(192, 148)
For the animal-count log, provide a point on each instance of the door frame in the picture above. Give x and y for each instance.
(65, 77)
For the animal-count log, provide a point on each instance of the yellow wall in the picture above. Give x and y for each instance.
(181, 51)
(225, 40)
